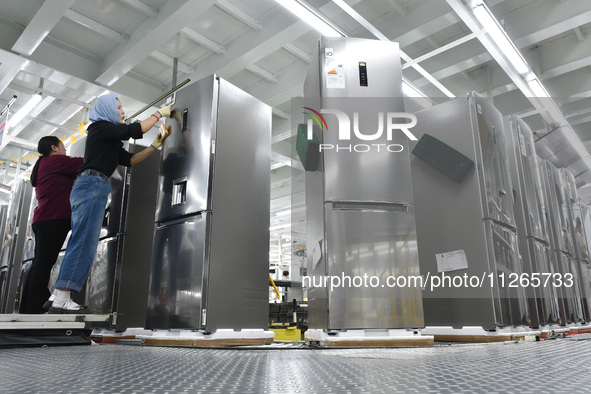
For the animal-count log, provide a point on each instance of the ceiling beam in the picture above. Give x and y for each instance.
(142, 7)
(10, 66)
(427, 29)
(43, 22)
(261, 72)
(558, 22)
(297, 52)
(95, 26)
(237, 13)
(579, 34)
(203, 41)
(280, 27)
(153, 33)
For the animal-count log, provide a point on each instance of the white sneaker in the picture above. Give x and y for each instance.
(49, 302)
(69, 307)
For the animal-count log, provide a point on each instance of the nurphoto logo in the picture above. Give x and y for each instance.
(392, 120)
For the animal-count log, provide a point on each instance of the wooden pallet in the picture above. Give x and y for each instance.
(221, 342)
(366, 338)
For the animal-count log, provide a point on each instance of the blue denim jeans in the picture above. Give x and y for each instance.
(88, 199)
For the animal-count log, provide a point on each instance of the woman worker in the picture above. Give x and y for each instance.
(52, 177)
(103, 153)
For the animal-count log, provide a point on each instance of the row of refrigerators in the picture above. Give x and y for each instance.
(471, 199)
(163, 260)
(516, 216)
(185, 238)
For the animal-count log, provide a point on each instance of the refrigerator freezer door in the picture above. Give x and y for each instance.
(510, 301)
(99, 294)
(176, 282)
(496, 180)
(184, 183)
(372, 245)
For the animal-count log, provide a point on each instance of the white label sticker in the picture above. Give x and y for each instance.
(451, 261)
(335, 74)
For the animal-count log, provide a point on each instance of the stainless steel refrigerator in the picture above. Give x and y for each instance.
(561, 241)
(14, 241)
(210, 255)
(581, 254)
(359, 202)
(466, 226)
(28, 254)
(532, 230)
(586, 267)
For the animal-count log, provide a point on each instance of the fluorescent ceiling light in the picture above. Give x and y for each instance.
(498, 35)
(24, 111)
(537, 88)
(306, 13)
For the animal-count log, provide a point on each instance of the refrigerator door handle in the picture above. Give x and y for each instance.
(370, 206)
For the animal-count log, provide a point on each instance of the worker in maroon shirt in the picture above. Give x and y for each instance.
(53, 177)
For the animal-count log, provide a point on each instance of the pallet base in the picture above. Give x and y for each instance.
(366, 338)
(479, 335)
(220, 338)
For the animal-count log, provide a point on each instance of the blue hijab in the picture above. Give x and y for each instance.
(105, 108)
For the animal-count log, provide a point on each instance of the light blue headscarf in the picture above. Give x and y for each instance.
(105, 108)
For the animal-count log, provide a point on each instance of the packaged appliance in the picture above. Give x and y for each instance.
(561, 240)
(359, 199)
(14, 238)
(211, 244)
(532, 231)
(466, 227)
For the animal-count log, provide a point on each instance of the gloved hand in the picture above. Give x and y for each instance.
(164, 111)
(161, 136)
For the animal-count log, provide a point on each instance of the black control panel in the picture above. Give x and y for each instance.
(185, 116)
(363, 73)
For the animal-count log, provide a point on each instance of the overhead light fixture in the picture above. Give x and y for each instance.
(537, 88)
(498, 35)
(24, 111)
(12, 100)
(309, 15)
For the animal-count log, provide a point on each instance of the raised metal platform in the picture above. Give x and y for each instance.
(18, 330)
(548, 366)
